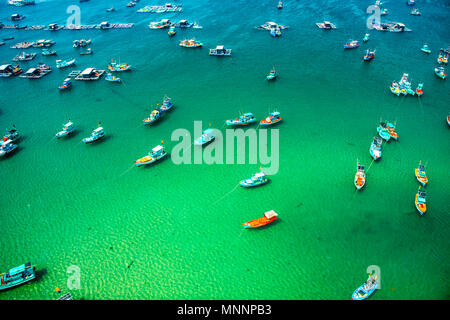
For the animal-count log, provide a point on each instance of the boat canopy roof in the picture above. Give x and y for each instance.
(16, 270)
(87, 71)
(4, 67)
(270, 214)
(158, 148)
(275, 113)
(99, 129)
(5, 143)
(260, 174)
(219, 47)
(248, 114)
(68, 124)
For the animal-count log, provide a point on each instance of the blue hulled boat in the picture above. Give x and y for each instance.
(256, 180)
(243, 120)
(366, 289)
(383, 131)
(66, 84)
(375, 148)
(17, 276)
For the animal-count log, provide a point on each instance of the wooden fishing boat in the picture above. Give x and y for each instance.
(443, 57)
(65, 85)
(6, 147)
(172, 30)
(395, 88)
(167, 104)
(111, 78)
(190, 43)
(376, 148)
(419, 89)
(273, 118)
(154, 155)
(383, 131)
(327, 25)
(67, 129)
(17, 276)
(272, 74)
(243, 120)
(12, 135)
(280, 5)
(154, 116)
(369, 55)
(95, 135)
(421, 174)
(118, 67)
(269, 217)
(360, 176)
(440, 72)
(366, 37)
(205, 138)
(391, 129)
(257, 180)
(47, 52)
(164, 23)
(448, 120)
(351, 44)
(366, 289)
(420, 201)
(60, 64)
(87, 52)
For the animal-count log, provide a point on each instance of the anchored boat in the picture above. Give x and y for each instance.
(47, 52)
(243, 120)
(196, 26)
(17, 276)
(395, 88)
(419, 89)
(87, 52)
(269, 217)
(280, 5)
(426, 49)
(81, 43)
(443, 57)
(220, 51)
(60, 64)
(421, 201)
(391, 129)
(190, 43)
(375, 148)
(440, 72)
(66, 84)
(275, 32)
(366, 289)
(360, 176)
(366, 37)
(272, 74)
(110, 77)
(257, 180)
(118, 67)
(67, 129)
(327, 25)
(154, 155)
(154, 116)
(205, 138)
(383, 131)
(369, 55)
(351, 44)
(172, 30)
(95, 135)
(6, 147)
(12, 135)
(167, 104)
(164, 23)
(421, 174)
(273, 118)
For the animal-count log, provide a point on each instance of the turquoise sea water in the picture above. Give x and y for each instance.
(159, 232)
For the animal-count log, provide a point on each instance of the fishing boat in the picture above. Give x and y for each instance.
(206, 137)
(220, 51)
(8, 70)
(17, 276)
(327, 25)
(184, 24)
(17, 17)
(60, 64)
(420, 201)
(369, 55)
(67, 129)
(110, 77)
(426, 49)
(257, 180)
(154, 116)
(280, 5)
(167, 104)
(87, 52)
(43, 66)
(421, 175)
(273, 118)
(366, 289)
(419, 89)
(272, 74)
(391, 129)
(164, 23)
(190, 43)
(95, 135)
(24, 56)
(448, 120)
(366, 37)
(351, 44)
(275, 32)
(269, 217)
(47, 52)
(118, 67)
(383, 132)
(154, 155)
(81, 43)
(171, 31)
(269, 25)
(440, 72)
(360, 176)
(415, 12)
(65, 85)
(43, 43)
(6, 147)
(443, 57)
(410, 2)
(12, 135)
(375, 148)
(196, 26)
(243, 120)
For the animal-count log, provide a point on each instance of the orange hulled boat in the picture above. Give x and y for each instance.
(273, 118)
(360, 176)
(269, 216)
(421, 174)
(420, 201)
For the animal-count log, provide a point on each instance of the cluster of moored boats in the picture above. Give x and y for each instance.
(404, 87)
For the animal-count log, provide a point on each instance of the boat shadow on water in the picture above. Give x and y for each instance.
(40, 273)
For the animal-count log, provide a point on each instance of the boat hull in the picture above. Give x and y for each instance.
(139, 164)
(422, 208)
(257, 223)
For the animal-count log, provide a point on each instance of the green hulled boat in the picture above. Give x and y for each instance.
(17, 276)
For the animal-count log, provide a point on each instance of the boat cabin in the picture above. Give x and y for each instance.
(220, 51)
(270, 214)
(97, 131)
(90, 74)
(259, 175)
(6, 70)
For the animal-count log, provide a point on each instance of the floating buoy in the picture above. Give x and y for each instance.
(57, 290)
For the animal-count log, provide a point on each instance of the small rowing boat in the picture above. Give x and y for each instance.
(243, 120)
(257, 180)
(421, 175)
(68, 128)
(154, 116)
(154, 155)
(111, 78)
(375, 148)
(205, 138)
(65, 85)
(167, 104)
(420, 201)
(269, 217)
(95, 135)
(426, 48)
(272, 74)
(273, 118)
(360, 176)
(351, 44)
(366, 289)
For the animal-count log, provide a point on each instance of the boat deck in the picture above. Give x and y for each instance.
(76, 74)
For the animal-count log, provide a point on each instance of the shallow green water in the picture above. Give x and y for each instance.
(159, 232)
